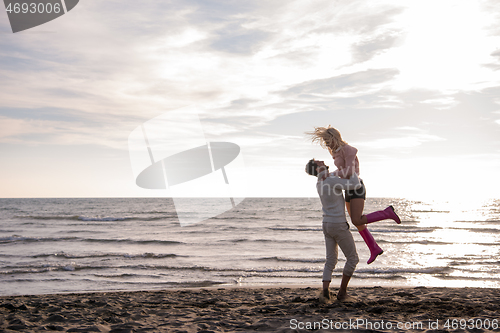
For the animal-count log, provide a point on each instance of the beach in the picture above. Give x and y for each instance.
(250, 309)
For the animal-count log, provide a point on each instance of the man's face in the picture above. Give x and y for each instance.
(320, 166)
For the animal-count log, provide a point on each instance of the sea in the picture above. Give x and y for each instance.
(109, 244)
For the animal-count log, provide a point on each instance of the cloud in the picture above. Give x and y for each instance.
(354, 18)
(494, 65)
(442, 103)
(236, 39)
(48, 114)
(217, 11)
(370, 47)
(61, 127)
(353, 82)
(411, 138)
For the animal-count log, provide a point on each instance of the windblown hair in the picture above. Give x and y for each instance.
(328, 137)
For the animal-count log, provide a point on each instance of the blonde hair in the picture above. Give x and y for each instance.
(328, 137)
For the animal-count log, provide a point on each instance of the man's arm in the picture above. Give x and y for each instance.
(344, 184)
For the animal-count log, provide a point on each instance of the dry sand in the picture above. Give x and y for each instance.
(255, 309)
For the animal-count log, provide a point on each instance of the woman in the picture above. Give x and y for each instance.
(347, 163)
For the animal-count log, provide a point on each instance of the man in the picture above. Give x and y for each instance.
(335, 226)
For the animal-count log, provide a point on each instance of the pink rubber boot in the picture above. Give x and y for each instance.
(375, 250)
(385, 214)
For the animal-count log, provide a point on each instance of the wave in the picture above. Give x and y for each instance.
(163, 284)
(22, 239)
(48, 217)
(277, 241)
(261, 240)
(156, 271)
(131, 241)
(292, 259)
(485, 230)
(244, 218)
(304, 209)
(479, 221)
(95, 218)
(252, 271)
(42, 268)
(107, 255)
(127, 275)
(422, 242)
(403, 230)
(384, 277)
(294, 229)
(10, 208)
(476, 260)
(491, 270)
(104, 219)
(409, 270)
(430, 211)
(468, 278)
(240, 240)
(119, 284)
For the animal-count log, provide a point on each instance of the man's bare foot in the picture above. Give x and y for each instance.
(326, 293)
(342, 295)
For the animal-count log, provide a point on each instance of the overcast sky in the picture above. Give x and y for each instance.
(414, 85)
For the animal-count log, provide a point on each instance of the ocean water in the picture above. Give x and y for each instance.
(78, 245)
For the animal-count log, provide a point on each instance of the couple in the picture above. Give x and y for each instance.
(335, 226)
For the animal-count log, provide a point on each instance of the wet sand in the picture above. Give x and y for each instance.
(239, 309)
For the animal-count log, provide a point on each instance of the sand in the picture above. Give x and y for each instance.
(256, 310)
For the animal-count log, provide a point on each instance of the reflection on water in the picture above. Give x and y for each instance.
(459, 240)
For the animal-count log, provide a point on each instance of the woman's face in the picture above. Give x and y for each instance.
(331, 149)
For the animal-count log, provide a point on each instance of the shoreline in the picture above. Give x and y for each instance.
(360, 284)
(256, 308)
(333, 287)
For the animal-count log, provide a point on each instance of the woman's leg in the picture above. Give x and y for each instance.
(359, 220)
(386, 214)
(348, 206)
(357, 206)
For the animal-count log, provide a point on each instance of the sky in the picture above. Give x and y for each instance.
(413, 85)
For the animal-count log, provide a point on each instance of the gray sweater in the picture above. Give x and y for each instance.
(331, 196)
